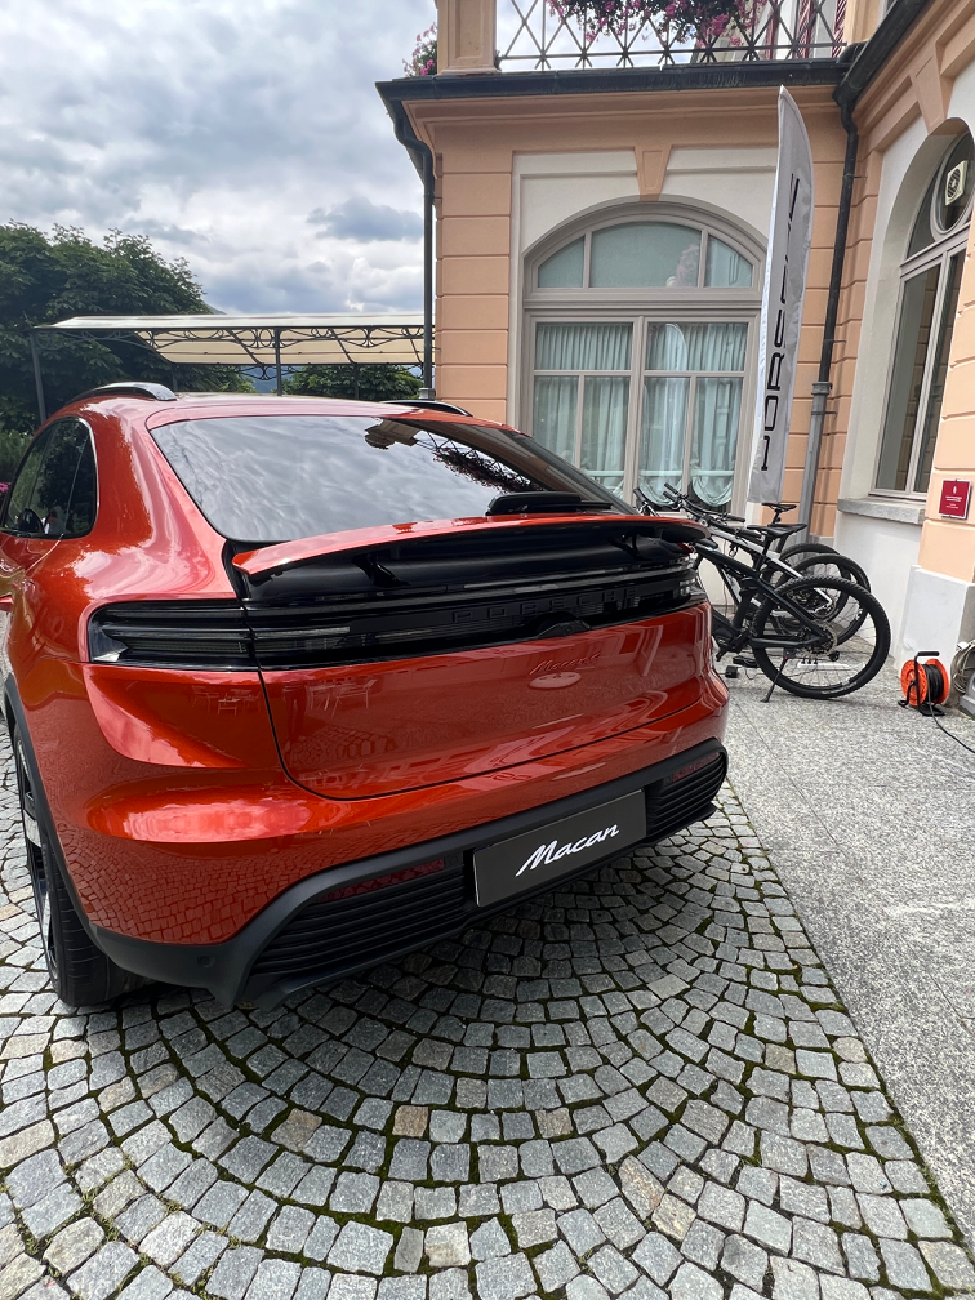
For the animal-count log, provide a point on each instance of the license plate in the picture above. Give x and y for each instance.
(529, 860)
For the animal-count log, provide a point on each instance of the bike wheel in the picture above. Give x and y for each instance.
(830, 564)
(846, 646)
(799, 550)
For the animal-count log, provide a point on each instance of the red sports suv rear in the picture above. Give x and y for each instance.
(295, 685)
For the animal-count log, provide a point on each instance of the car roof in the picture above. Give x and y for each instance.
(151, 411)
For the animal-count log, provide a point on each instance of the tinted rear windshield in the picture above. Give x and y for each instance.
(260, 478)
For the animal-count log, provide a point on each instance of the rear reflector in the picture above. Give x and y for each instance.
(383, 882)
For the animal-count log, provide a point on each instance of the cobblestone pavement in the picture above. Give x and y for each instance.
(639, 1085)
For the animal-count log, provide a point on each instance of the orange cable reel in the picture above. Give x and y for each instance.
(924, 684)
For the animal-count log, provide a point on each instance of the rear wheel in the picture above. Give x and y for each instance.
(829, 564)
(81, 973)
(844, 649)
(800, 550)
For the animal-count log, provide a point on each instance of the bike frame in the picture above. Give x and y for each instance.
(752, 585)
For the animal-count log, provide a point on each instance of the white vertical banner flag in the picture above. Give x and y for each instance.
(790, 236)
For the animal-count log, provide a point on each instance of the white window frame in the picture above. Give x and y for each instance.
(939, 253)
(642, 306)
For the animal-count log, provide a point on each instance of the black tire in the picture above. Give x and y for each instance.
(853, 648)
(799, 550)
(831, 565)
(80, 972)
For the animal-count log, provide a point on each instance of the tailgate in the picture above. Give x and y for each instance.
(417, 662)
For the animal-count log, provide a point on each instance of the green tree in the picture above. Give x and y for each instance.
(376, 383)
(46, 278)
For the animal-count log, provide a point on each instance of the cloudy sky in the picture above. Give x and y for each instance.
(243, 135)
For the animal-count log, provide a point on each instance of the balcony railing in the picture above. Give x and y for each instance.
(534, 37)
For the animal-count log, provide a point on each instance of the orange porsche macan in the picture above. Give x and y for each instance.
(295, 685)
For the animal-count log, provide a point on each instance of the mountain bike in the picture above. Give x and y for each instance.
(816, 636)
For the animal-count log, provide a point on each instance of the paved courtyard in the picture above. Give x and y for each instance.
(868, 814)
(641, 1085)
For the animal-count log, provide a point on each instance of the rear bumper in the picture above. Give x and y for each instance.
(303, 937)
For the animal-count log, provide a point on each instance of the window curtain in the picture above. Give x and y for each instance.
(604, 409)
(662, 436)
(583, 347)
(717, 408)
(556, 402)
(716, 345)
(704, 347)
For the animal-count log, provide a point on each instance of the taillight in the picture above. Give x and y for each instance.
(205, 634)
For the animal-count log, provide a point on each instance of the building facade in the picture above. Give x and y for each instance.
(600, 243)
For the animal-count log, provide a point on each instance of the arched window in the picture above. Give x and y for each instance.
(640, 330)
(930, 280)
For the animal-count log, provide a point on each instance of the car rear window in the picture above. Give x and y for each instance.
(260, 478)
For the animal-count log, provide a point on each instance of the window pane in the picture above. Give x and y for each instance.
(713, 346)
(922, 235)
(554, 424)
(264, 478)
(84, 495)
(717, 408)
(583, 347)
(726, 268)
(563, 270)
(604, 406)
(956, 184)
(23, 484)
(932, 415)
(910, 353)
(51, 496)
(645, 255)
(662, 436)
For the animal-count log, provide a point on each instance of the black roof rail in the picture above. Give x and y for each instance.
(131, 388)
(425, 404)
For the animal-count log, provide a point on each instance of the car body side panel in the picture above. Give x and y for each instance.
(182, 719)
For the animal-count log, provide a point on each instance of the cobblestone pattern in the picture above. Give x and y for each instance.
(641, 1085)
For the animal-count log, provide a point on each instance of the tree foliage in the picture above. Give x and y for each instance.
(46, 278)
(376, 383)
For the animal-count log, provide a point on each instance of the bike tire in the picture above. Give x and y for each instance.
(846, 569)
(788, 553)
(845, 600)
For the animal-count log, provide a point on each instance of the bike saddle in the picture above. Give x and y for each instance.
(779, 507)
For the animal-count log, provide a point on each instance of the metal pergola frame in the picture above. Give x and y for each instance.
(267, 343)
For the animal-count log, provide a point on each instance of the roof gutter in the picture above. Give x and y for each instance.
(422, 157)
(866, 61)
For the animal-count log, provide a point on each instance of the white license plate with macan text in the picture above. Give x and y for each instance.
(529, 860)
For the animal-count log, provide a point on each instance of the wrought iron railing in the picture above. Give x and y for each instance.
(542, 36)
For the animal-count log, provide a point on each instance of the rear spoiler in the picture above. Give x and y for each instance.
(267, 559)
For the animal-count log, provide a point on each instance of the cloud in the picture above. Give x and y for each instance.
(214, 130)
(164, 231)
(358, 219)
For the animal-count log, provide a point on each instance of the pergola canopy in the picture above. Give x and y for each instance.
(267, 341)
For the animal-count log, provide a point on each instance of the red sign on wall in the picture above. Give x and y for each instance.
(956, 495)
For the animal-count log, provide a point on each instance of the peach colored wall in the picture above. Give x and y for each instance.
(916, 83)
(474, 142)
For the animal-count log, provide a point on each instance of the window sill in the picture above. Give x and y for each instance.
(901, 512)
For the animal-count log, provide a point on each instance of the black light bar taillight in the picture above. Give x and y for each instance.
(205, 634)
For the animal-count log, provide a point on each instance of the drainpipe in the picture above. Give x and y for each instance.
(423, 161)
(428, 392)
(822, 387)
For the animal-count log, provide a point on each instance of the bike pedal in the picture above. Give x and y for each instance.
(745, 661)
(731, 671)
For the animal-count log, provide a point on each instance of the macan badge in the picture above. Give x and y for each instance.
(551, 853)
